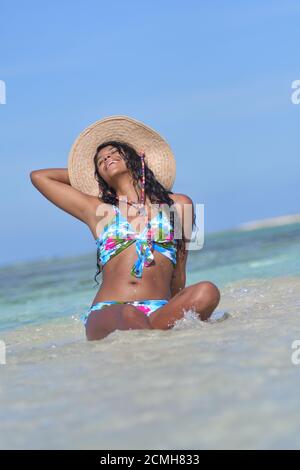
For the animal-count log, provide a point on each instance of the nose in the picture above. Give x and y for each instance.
(109, 158)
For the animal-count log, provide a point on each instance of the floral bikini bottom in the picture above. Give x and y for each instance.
(146, 306)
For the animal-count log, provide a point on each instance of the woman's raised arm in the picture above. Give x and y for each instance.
(54, 184)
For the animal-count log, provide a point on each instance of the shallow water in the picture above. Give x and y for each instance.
(220, 384)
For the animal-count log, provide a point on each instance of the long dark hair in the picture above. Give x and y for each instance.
(153, 189)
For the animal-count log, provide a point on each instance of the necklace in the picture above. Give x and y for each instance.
(141, 210)
(140, 207)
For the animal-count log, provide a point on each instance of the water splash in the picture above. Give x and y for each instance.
(191, 319)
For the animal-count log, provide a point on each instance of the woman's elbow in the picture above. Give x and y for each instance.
(34, 174)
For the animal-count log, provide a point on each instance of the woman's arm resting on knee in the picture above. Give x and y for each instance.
(179, 277)
(184, 204)
(54, 184)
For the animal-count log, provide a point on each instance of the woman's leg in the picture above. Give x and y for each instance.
(203, 297)
(101, 323)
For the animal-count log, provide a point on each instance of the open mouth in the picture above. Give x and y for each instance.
(111, 163)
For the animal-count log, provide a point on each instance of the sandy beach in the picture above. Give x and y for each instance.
(221, 384)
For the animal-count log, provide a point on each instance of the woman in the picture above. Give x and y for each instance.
(133, 216)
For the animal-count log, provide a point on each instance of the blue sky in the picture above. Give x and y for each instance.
(213, 77)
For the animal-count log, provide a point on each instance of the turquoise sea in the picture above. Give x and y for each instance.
(230, 383)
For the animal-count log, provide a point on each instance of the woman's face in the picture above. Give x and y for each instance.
(110, 163)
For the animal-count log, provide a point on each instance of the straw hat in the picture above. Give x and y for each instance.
(158, 154)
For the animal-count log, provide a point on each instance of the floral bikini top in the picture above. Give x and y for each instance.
(119, 234)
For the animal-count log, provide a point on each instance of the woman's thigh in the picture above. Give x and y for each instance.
(203, 297)
(104, 321)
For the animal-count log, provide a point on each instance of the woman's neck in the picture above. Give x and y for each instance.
(127, 190)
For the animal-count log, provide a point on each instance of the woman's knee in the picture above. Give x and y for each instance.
(101, 323)
(206, 291)
(93, 333)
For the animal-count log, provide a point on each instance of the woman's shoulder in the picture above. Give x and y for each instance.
(186, 211)
(183, 204)
(100, 214)
(180, 198)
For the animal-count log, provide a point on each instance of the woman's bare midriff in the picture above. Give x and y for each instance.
(119, 284)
